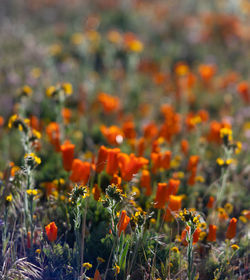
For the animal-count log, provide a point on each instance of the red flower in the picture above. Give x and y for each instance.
(101, 159)
(210, 203)
(161, 195)
(146, 182)
(231, 230)
(112, 161)
(80, 171)
(212, 233)
(51, 231)
(67, 150)
(123, 222)
(196, 235)
(174, 204)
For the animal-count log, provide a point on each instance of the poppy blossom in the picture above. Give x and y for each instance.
(210, 202)
(80, 171)
(212, 233)
(101, 159)
(112, 161)
(174, 204)
(231, 230)
(51, 231)
(67, 150)
(161, 195)
(196, 235)
(123, 222)
(130, 165)
(145, 182)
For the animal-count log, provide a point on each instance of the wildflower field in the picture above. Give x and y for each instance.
(124, 139)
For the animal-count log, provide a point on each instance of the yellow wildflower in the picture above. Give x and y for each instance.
(87, 265)
(235, 247)
(117, 269)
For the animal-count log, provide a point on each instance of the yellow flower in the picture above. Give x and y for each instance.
(67, 87)
(100, 260)
(32, 192)
(220, 161)
(203, 225)
(136, 46)
(229, 161)
(195, 120)
(50, 91)
(117, 269)
(243, 219)
(153, 221)
(182, 69)
(238, 147)
(26, 91)
(235, 247)
(87, 265)
(9, 198)
(228, 208)
(55, 49)
(35, 72)
(135, 191)
(202, 235)
(12, 119)
(199, 179)
(226, 132)
(38, 251)
(77, 38)
(175, 249)
(36, 159)
(36, 133)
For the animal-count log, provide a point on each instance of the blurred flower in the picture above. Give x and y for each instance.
(51, 231)
(123, 222)
(231, 230)
(67, 150)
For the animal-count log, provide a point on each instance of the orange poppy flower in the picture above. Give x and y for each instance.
(112, 134)
(145, 182)
(156, 161)
(97, 275)
(150, 131)
(34, 123)
(171, 125)
(210, 203)
(212, 233)
(112, 161)
(196, 235)
(173, 186)
(80, 171)
(101, 159)
(207, 72)
(192, 163)
(231, 230)
(165, 160)
(128, 129)
(109, 103)
(161, 195)
(244, 90)
(53, 132)
(130, 165)
(67, 150)
(141, 147)
(66, 114)
(51, 231)
(184, 146)
(123, 222)
(174, 204)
